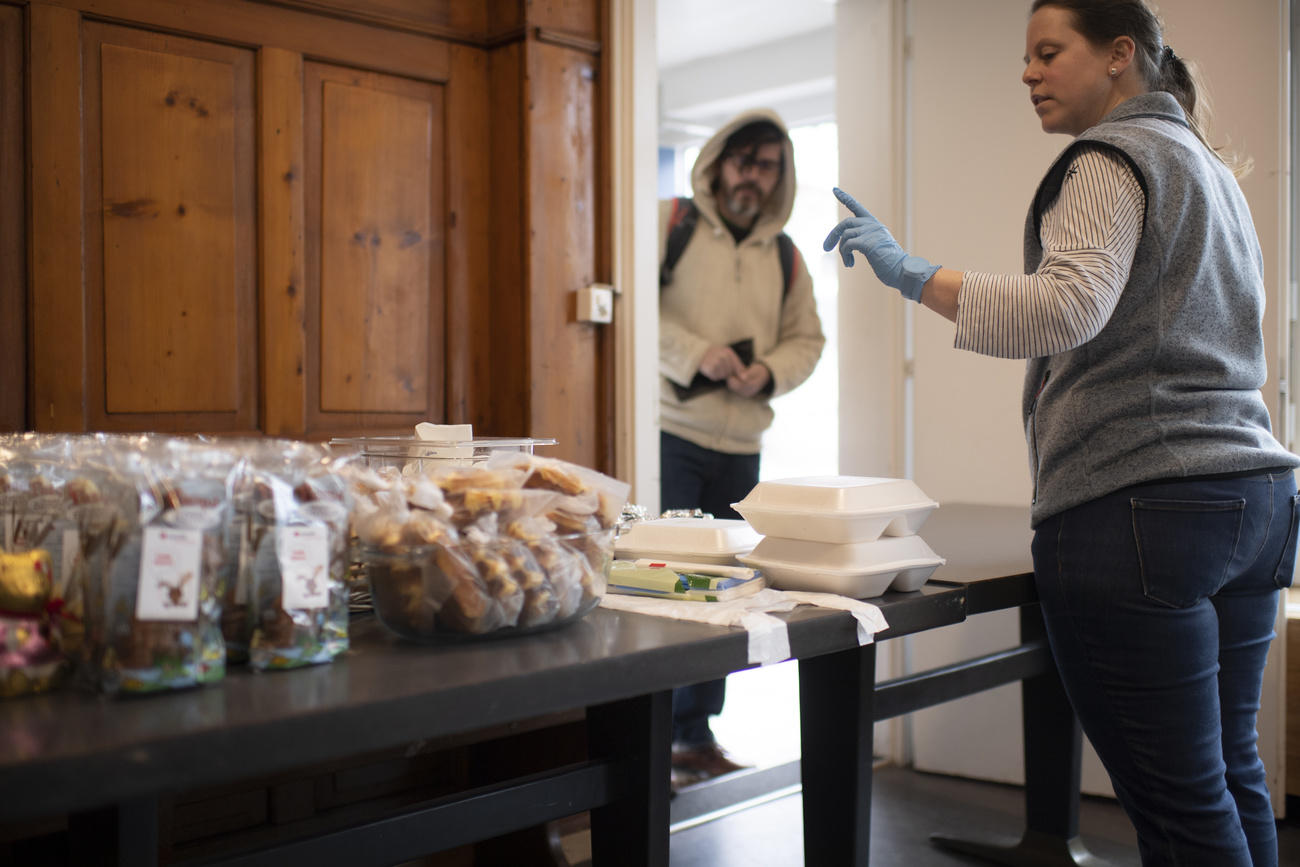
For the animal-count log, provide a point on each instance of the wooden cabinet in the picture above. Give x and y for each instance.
(13, 235)
(170, 259)
(305, 218)
(375, 248)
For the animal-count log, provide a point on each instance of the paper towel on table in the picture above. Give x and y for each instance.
(870, 618)
(769, 639)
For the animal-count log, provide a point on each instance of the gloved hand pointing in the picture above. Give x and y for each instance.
(865, 234)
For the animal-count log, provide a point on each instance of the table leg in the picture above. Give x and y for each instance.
(633, 829)
(124, 834)
(1053, 770)
(836, 695)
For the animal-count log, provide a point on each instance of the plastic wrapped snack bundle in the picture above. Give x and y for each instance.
(518, 544)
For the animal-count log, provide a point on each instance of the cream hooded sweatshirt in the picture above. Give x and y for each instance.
(723, 292)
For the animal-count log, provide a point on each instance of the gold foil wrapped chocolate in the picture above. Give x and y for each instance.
(26, 581)
(30, 658)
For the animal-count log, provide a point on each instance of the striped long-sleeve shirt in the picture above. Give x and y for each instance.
(1089, 235)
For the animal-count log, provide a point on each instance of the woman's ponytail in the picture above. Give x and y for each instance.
(1175, 76)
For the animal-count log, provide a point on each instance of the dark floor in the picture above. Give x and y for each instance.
(907, 807)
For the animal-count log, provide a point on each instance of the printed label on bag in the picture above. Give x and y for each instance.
(304, 566)
(169, 575)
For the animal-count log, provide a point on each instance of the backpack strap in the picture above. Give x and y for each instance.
(789, 260)
(681, 225)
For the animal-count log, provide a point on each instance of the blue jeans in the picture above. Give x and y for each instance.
(693, 477)
(1159, 601)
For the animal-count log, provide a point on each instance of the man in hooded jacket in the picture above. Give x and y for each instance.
(737, 319)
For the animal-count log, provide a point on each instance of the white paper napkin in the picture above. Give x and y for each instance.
(769, 639)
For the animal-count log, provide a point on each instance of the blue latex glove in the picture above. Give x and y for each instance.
(865, 234)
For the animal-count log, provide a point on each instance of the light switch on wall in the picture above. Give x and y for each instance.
(596, 304)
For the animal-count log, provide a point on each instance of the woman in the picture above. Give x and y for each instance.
(1164, 510)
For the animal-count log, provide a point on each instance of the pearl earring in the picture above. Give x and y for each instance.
(1113, 72)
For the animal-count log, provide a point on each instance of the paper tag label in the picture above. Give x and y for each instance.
(169, 575)
(304, 566)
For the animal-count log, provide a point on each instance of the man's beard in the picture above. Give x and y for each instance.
(744, 207)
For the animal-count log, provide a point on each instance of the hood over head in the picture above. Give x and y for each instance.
(776, 211)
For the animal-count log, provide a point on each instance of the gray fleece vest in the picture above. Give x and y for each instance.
(1170, 387)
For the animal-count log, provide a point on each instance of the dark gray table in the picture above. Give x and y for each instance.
(74, 754)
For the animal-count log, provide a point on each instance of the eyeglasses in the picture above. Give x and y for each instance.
(742, 162)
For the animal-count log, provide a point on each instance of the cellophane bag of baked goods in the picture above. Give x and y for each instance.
(166, 563)
(41, 605)
(519, 542)
(294, 565)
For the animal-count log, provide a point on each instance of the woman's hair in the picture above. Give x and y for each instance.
(1103, 21)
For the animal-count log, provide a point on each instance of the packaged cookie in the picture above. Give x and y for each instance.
(470, 606)
(407, 589)
(166, 573)
(541, 604)
(514, 545)
(295, 564)
(586, 500)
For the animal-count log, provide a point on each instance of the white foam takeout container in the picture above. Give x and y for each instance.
(840, 509)
(860, 570)
(690, 540)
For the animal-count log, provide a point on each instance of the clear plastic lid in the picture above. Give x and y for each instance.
(395, 445)
(412, 451)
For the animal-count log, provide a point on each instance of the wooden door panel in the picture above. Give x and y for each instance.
(375, 250)
(375, 217)
(502, 345)
(575, 18)
(477, 337)
(562, 162)
(460, 18)
(170, 237)
(13, 241)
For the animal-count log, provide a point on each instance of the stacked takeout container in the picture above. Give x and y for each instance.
(712, 541)
(851, 535)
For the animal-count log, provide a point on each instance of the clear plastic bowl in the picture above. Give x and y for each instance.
(691, 540)
(504, 587)
(859, 570)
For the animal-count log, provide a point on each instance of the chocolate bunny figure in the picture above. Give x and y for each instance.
(176, 592)
(313, 589)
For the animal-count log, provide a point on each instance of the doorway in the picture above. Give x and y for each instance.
(714, 60)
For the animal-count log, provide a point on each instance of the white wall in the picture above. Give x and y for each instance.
(869, 112)
(634, 118)
(977, 151)
(956, 188)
